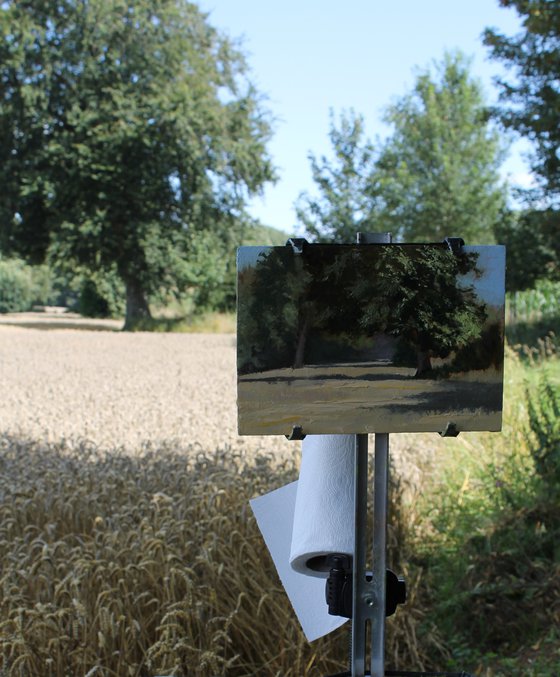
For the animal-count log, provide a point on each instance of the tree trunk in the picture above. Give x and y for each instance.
(299, 360)
(423, 363)
(137, 309)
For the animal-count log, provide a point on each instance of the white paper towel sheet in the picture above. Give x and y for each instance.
(275, 516)
(324, 511)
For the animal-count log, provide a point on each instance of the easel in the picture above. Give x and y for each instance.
(369, 589)
(359, 586)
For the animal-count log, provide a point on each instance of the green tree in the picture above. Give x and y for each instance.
(346, 201)
(533, 249)
(438, 172)
(531, 102)
(436, 175)
(129, 135)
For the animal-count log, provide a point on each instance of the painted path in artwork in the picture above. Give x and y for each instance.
(365, 398)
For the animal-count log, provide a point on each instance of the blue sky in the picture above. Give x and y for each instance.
(308, 56)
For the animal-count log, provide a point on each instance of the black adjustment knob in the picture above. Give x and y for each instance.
(338, 589)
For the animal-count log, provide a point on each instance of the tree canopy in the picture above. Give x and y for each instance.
(129, 130)
(531, 100)
(436, 175)
(533, 249)
(438, 171)
(346, 204)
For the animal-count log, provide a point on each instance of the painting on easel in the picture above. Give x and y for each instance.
(370, 338)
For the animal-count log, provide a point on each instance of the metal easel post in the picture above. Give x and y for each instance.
(363, 595)
(381, 484)
(369, 590)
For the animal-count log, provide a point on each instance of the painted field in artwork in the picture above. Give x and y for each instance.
(370, 397)
(354, 339)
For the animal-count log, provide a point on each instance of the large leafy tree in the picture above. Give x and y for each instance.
(530, 105)
(438, 171)
(531, 100)
(128, 132)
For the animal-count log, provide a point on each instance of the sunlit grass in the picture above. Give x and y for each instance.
(211, 322)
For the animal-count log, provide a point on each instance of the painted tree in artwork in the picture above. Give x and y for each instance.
(410, 292)
(414, 293)
(279, 313)
(290, 297)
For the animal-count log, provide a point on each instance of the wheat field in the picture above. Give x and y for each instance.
(117, 389)
(127, 546)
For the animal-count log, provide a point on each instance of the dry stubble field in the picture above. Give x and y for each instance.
(127, 548)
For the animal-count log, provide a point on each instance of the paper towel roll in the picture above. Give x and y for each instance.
(324, 510)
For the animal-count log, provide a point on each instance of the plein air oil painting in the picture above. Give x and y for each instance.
(370, 338)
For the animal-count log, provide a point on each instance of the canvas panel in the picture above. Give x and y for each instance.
(370, 338)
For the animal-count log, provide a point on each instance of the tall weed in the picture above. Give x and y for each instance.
(543, 437)
(494, 558)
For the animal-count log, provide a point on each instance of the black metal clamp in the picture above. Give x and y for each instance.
(455, 244)
(450, 430)
(297, 244)
(296, 434)
(339, 588)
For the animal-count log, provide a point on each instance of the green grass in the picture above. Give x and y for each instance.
(211, 322)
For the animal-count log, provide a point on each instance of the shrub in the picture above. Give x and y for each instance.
(543, 437)
(16, 286)
(101, 296)
(498, 538)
